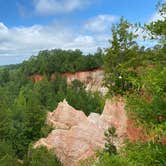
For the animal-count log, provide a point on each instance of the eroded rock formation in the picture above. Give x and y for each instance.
(93, 80)
(65, 116)
(76, 136)
(37, 78)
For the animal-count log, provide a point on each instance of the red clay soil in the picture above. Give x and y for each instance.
(134, 133)
(37, 78)
(163, 140)
(76, 74)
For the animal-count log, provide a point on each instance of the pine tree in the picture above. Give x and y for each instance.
(118, 56)
(110, 136)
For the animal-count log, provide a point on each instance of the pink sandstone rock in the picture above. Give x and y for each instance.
(79, 135)
(114, 114)
(65, 116)
(93, 80)
(37, 78)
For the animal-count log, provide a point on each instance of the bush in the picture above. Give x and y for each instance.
(41, 157)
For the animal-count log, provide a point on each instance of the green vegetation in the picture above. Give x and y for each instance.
(7, 156)
(110, 136)
(157, 28)
(139, 75)
(42, 157)
(60, 61)
(136, 73)
(119, 57)
(24, 104)
(133, 154)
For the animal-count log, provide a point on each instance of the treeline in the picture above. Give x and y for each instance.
(136, 73)
(23, 109)
(60, 61)
(24, 104)
(139, 76)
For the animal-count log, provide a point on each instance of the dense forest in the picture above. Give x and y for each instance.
(60, 61)
(24, 104)
(136, 73)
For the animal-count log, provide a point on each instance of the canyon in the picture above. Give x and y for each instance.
(93, 80)
(76, 136)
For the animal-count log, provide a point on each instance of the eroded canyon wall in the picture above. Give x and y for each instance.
(93, 80)
(76, 136)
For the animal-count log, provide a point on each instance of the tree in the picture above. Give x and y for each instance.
(118, 56)
(45, 94)
(157, 28)
(41, 157)
(4, 76)
(7, 157)
(80, 99)
(28, 118)
(110, 136)
(5, 124)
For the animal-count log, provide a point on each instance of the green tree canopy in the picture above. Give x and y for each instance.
(118, 57)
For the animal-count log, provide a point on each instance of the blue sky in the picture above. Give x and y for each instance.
(27, 26)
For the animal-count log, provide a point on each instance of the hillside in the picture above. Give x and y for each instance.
(73, 129)
(31, 96)
(92, 80)
(63, 107)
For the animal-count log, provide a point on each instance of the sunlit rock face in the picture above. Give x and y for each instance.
(65, 116)
(76, 136)
(93, 80)
(37, 78)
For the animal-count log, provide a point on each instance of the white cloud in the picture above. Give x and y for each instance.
(100, 23)
(18, 43)
(84, 42)
(45, 7)
(32, 38)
